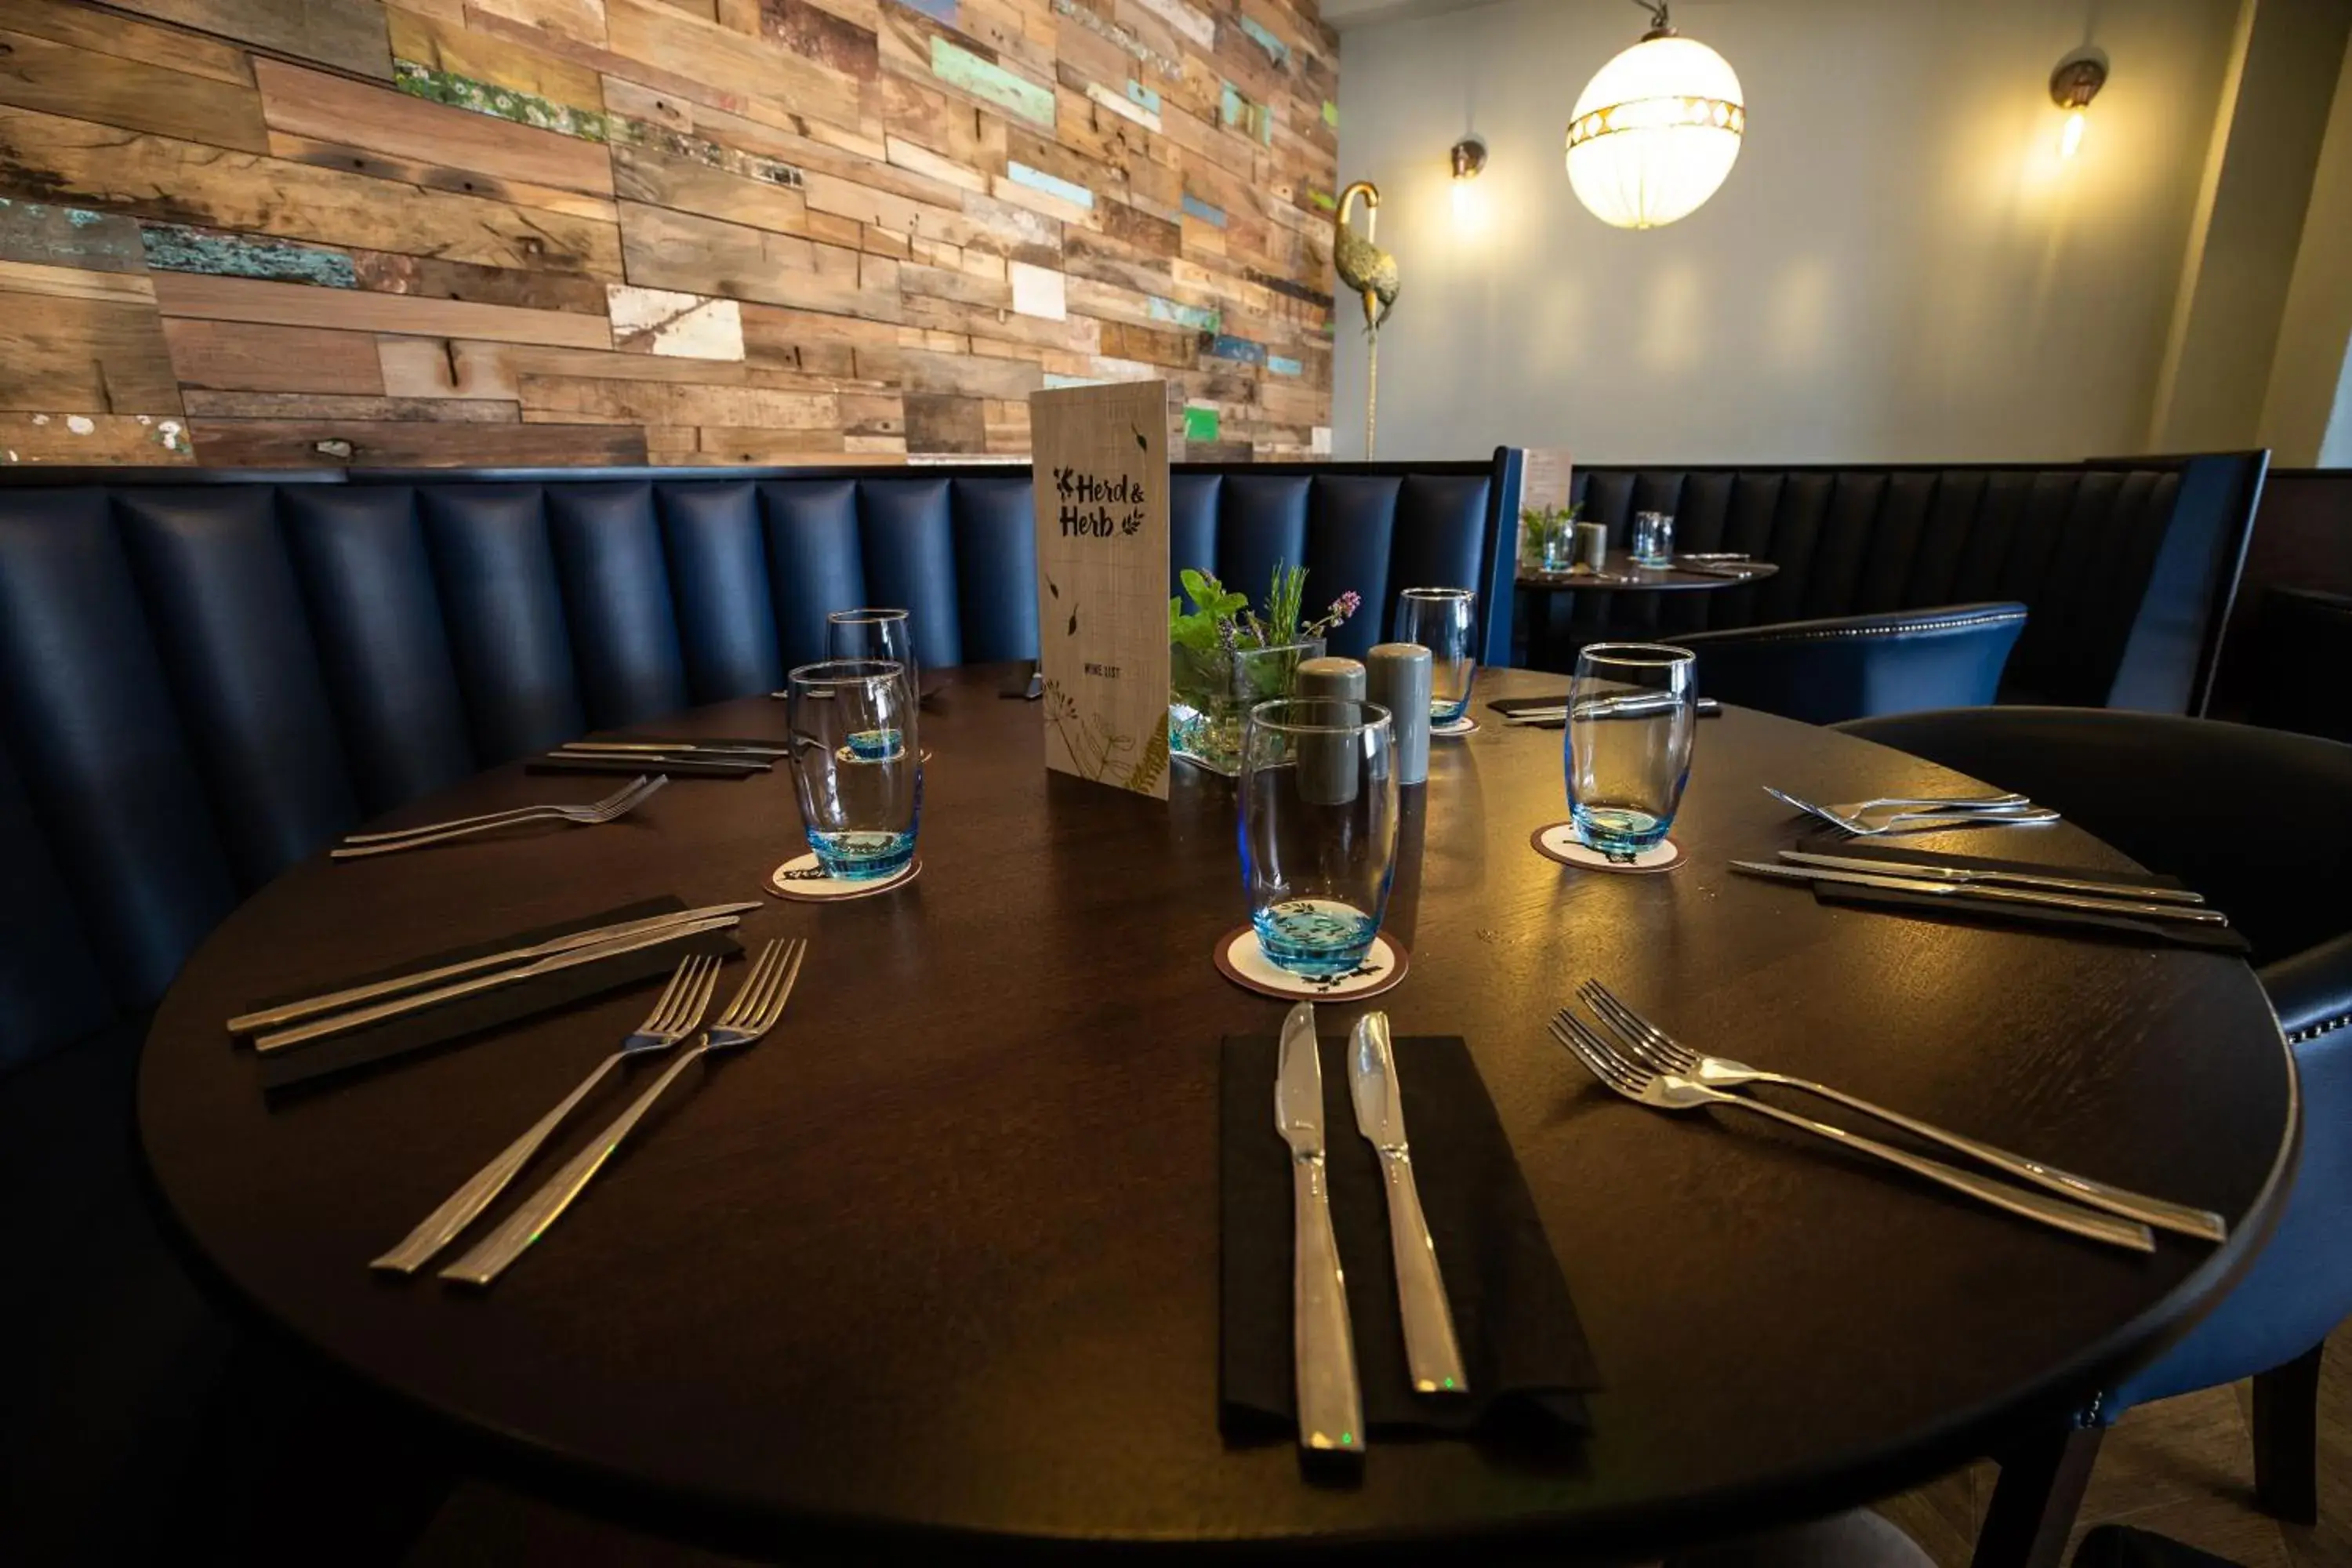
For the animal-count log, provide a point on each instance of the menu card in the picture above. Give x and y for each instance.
(1101, 488)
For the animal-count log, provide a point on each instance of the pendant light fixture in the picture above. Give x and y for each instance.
(1656, 129)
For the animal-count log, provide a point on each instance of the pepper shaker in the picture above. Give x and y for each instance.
(1398, 675)
(1328, 763)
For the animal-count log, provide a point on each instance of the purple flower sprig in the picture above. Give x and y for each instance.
(1345, 605)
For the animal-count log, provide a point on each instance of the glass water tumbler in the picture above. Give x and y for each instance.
(1653, 543)
(881, 634)
(1632, 712)
(855, 765)
(1318, 827)
(1444, 621)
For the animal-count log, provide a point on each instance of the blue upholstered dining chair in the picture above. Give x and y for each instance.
(1852, 666)
(2129, 778)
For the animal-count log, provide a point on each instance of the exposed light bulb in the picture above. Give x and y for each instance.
(2070, 141)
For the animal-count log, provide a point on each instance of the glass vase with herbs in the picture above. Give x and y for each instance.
(1224, 658)
(1548, 536)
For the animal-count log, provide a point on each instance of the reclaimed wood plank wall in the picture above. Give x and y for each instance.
(302, 232)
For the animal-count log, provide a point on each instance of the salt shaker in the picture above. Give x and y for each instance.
(1398, 675)
(1328, 764)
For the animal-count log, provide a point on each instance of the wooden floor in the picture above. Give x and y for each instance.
(2183, 1469)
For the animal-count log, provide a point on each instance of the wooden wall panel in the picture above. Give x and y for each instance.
(693, 231)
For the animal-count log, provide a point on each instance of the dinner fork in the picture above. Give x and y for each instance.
(1974, 813)
(1659, 1049)
(675, 1015)
(1670, 1091)
(613, 806)
(759, 1001)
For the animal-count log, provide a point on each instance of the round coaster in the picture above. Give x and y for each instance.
(803, 880)
(1559, 842)
(1241, 960)
(1465, 725)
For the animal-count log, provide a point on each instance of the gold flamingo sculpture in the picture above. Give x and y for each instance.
(1371, 272)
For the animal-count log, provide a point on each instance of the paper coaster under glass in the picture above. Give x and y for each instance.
(1559, 842)
(1241, 960)
(1453, 728)
(805, 880)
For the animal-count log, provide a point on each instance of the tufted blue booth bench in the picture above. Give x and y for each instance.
(205, 678)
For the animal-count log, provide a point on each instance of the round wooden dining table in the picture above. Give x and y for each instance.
(935, 1265)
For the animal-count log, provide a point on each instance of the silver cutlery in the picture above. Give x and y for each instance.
(1670, 1091)
(1610, 708)
(678, 761)
(1978, 875)
(1659, 1049)
(351, 997)
(681, 748)
(1902, 882)
(676, 1015)
(1982, 811)
(519, 813)
(360, 1017)
(1934, 802)
(1330, 1405)
(1431, 1351)
(759, 1001)
(603, 812)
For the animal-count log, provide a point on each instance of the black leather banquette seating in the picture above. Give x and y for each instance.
(202, 683)
(2127, 568)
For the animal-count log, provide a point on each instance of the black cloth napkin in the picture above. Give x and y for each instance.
(1507, 705)
(485, 1010)
(1521, 1344)
(2023, 917)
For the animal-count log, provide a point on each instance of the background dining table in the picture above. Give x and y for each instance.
(1554, 623)
(937, 1263)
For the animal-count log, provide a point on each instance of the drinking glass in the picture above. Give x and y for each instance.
(876, 634)
(855, 765)
(1443, 621)
(1318, 829)
(1653, 543)
(1559, 544)
(1633, 711)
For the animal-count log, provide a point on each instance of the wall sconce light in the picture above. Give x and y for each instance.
(1468, 159)
(2072, 85)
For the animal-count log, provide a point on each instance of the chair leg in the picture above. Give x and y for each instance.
(2286, 1438)
(2034, 1504)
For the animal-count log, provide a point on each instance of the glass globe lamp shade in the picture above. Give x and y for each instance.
(1655, 132)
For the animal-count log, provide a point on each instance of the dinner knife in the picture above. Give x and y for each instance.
(2190, 914)
(1430, 1352)
(353, 996)
(1977, 874)
(360, 1018)
(1331, 1406)
(681, 748)
(1612, 708)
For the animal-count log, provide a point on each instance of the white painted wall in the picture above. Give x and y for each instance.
(1900, 267)
(2307, 416)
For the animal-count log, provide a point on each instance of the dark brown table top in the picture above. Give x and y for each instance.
(941, 1254)
(1624, 577)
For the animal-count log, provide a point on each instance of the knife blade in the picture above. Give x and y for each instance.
(351, 997)
(1975, 874)
(359, 1018)
(1431, 1351)
(1330, 1405)
(675, 748)
(2190, 914)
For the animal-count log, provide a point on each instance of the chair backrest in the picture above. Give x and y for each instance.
(1852, 666)
(2128, 568)
(2301, 539)
(204, 677)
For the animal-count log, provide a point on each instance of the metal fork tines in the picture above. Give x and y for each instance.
(1979, 812)
(1671, 1092)
(675, 1015)
(619, 804)
(1657, 1048)
(759, 1001)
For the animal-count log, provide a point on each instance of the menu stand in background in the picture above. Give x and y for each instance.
(1100, 478)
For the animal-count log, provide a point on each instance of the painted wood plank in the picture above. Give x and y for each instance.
(676, 326)
(294, 304)
(1122, 105)
(1195, 317)
(398, 444)
(90, 438)
(248, 356)
(483, 52)
(73, 161)
(1051, 185)
(346, 33)
(816, 34)
(86, 27)
(403, 125)
(992, 83)
(464, 182)
(68, 236)
(181, 247)
(36, 73)
(1038, 291)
